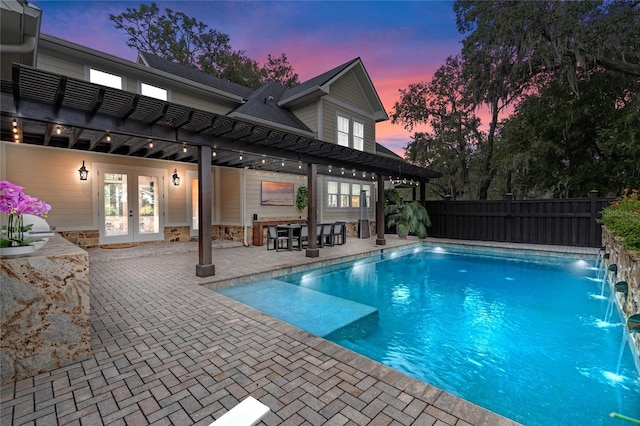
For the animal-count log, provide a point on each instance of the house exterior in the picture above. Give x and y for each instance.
(174, 154)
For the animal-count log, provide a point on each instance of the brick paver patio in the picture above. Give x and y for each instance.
(166, 350)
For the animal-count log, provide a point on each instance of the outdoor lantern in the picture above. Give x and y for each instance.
(84, 173)
(175, 178)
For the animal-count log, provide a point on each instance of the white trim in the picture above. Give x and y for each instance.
(320, 119)
(350, 108)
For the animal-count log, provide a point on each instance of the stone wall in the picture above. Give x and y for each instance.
(628, 269)
(44, 310)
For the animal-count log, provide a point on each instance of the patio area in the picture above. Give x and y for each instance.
(168, 350)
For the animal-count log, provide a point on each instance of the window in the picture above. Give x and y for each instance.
(332, 192)
(355, 195)
(350, 133)
(343, 131)
(105, 78)
(153, 91)
(358, 136)
(346, 195)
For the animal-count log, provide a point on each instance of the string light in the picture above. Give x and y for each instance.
(213, 153)
(58, 129)
(108, 137)
(14, 123)
(150, 143)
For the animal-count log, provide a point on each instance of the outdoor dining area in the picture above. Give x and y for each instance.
(295, 236)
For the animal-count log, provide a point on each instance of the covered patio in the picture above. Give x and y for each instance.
(47, 109)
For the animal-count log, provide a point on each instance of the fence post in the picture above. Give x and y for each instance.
(593, 195)
(447, 198)
(509, 197)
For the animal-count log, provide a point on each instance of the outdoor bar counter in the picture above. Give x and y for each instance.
(44, 309)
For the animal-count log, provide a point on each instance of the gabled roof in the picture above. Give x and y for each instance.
(316, 83)
(192, 74)
(319, 86)
(383, 150)
(262, 106)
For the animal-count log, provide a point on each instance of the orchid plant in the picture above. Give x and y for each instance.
(15, 204)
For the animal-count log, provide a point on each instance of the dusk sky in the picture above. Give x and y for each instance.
(400, 42)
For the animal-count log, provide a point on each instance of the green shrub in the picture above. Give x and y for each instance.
(622, 219)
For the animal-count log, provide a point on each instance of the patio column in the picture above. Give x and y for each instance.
(380, 212)
(312, 210)
(205, 266)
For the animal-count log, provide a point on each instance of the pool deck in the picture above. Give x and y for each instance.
(168, 350)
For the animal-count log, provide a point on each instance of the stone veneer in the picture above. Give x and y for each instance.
(628, 265)
(44, 310)
(89, 239)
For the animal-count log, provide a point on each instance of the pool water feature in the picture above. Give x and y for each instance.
(524, 339)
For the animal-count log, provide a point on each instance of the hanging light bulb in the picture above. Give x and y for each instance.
(213, 153)
(14, 123)
(108, 137)
(184, 148)
(240, 157)
(58, 129)
(150, 144)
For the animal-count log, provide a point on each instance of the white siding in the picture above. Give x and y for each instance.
(254, 196)
(230, 193)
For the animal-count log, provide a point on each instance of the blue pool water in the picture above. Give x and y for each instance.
(526, 340)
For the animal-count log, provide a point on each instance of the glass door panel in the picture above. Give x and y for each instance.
(149, 220)
(116, 208)
(131, 204)
(194, 207)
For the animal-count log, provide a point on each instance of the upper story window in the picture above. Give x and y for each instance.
(350, 133)
(105, 78)
(154, 92)
(346, 195)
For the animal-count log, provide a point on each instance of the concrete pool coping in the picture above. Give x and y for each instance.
(167, 350)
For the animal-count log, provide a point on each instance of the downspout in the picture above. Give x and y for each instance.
(243, 190)
(27, 47)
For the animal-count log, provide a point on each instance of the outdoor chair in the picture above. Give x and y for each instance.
(338, 233)
(278, 238)
(302, 237)
(329, 234)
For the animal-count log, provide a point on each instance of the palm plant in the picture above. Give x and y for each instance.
(408, 218)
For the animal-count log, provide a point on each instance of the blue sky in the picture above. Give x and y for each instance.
(400, 42)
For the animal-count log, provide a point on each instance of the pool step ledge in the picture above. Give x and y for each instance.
(318, 313)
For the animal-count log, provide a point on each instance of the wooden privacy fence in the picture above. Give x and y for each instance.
(569, 221)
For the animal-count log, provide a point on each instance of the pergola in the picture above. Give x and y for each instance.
(58, 111)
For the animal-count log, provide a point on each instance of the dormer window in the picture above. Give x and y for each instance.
(350, 133)
(105, 78)
(153, 91)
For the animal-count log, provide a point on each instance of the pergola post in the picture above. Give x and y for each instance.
(312, 210)
(205, 266)
(380, 241)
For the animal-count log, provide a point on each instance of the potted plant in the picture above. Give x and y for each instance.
(302, 198)
(408, 218)
(15, 204)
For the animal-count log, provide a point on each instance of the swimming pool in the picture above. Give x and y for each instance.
(524, 339)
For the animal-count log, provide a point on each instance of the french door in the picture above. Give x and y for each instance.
(131, 204)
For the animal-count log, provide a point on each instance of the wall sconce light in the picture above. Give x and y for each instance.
(175, 178)
(84, 173)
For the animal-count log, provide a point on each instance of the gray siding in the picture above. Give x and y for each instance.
(348, 90)
(308, 114)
